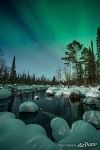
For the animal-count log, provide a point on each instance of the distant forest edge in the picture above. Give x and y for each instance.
(82, 67)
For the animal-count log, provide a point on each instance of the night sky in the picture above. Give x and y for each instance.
(37, 31)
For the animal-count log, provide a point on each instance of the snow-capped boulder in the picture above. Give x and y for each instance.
(59, 93)
(28, 107)
(92, 117)
(52, 90)
(77, 126)
(14, 134)
(83, 136)
(35, 129)
(66, 92)
(6, 115)
(5, 93)
(91, 100)
(93, 93)
(60, 128)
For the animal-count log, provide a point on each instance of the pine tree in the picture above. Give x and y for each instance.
(6, 75)
(91, 65)
(13, 73)
(71, 56)
(98, 44)
(88, 57)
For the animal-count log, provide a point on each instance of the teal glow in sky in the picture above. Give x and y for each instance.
(37, 31)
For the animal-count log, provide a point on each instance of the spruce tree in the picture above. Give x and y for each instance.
(13, 74)
(91, 65)
(98, 44)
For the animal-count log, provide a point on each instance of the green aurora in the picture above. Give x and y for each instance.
(37, 31)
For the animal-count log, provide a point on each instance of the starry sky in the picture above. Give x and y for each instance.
(37, 31)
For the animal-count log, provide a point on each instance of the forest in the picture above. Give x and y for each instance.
(82, 67)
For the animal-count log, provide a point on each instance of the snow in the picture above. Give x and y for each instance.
(66, 92)
(81, 133)
(35, 129)
(59, 93)
(60, 128)
(92, 93)
(52, 90)
(7, 115)
(28, 107)
(5, 93)
(91, 100)
(15, 135)
(36, 97)
(92, 117)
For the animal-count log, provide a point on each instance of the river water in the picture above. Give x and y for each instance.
(50, 108)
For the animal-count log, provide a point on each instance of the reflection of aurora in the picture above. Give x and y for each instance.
(41, 29)
(15, 134)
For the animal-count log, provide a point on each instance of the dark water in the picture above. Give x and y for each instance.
(56, 106)
(50, 108)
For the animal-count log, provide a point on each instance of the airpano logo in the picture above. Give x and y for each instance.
(86, 144)
(83, 145)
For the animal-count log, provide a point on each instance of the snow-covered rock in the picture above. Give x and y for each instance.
(14, 134)
(52, 90)
(6, 115)
(93, 93)
(66, 93)
(92, 117)
(91, 100)
(60, 128)
(35, 129)
(28, 107)
(59, 93)
(5, 93)
(83, 136)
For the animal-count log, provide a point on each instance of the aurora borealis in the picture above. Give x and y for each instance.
(37, 31)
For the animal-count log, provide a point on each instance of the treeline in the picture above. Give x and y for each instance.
(83, 63)
(8, 75)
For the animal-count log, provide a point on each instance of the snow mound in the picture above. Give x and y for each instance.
(66, 92)
(4, 116)
(60, 128)
(83, 136)
(7, 115)
(35, 129)
(5, 93)
(52, 90)
(28, 107)
(59, 93)
(14, 134)
(92, 117)
(93, 93)
(91, 100)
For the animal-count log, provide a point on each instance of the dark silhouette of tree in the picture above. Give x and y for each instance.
(54, 80)
(71, 56)
(98, 44)
(89, 66)
(13, 73)
(6, 75)
(98, 54)
(2, 67)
